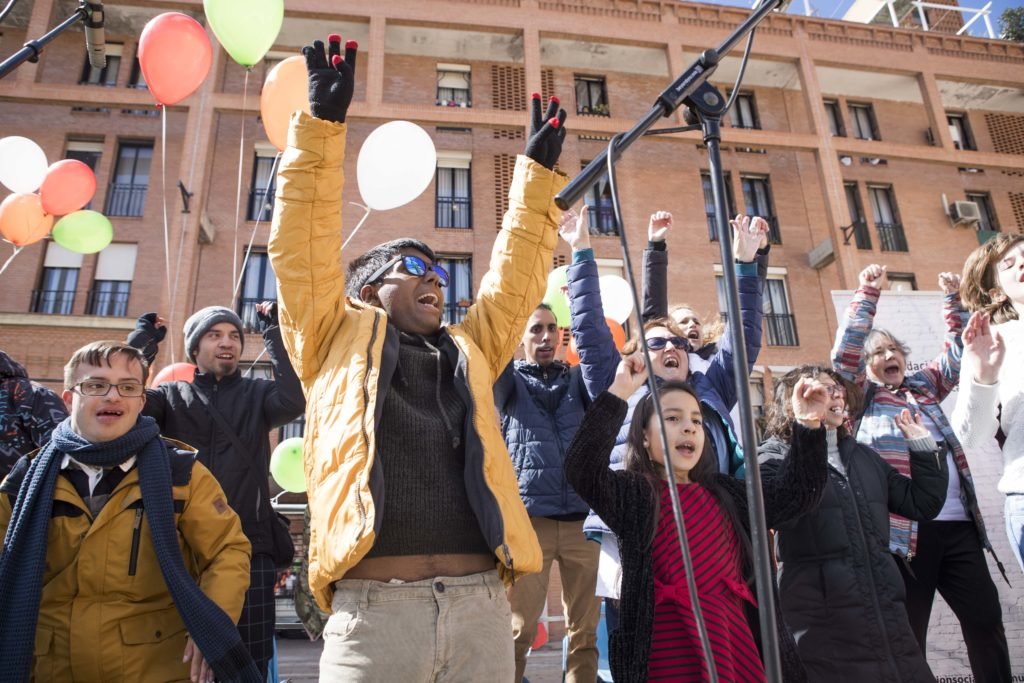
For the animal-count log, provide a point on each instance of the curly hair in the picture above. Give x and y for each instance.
(630, 347)
(980, 278)
(780, 412)
(710, 331)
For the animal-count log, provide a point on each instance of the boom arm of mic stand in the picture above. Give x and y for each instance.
(668, 101)
(30, 52)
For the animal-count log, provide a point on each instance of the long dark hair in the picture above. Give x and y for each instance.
(780, 412)
(704, 473)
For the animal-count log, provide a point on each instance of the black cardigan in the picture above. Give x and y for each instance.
(627, 503)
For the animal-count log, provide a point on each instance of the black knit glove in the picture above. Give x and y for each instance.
(147, 335)
(268, 319)
(331, 78)
(546, 133)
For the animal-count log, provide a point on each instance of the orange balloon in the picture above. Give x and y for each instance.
(68, 186)
(175, 55)
(572, 356)
(22, 219)
(178, 372)
(286, 90)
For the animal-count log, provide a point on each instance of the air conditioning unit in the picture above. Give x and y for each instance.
(964, 213)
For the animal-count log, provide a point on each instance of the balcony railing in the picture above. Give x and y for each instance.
(126, 199)
(601, 220)
(454, 313)
(261, 204)
(891, 237)
(861, 234)
(114, 304)
(247, 312)
(53, 301)
(454, 212)
(781, 329)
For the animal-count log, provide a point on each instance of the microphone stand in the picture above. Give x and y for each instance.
(30, 52)
(693, 90)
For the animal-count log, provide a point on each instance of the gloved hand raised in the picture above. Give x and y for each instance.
(546, 133)
(331, 78)
(150, 330)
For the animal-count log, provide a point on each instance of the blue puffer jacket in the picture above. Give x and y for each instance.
(541, 408)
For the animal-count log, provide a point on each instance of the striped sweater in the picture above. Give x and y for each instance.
(922, 390)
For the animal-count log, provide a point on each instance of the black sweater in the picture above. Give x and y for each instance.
(628, 503)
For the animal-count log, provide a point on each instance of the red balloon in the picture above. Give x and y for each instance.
(68, 186)
(572, 356)
(178, 372)
(175, 55)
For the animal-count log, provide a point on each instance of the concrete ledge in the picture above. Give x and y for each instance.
(92, 322)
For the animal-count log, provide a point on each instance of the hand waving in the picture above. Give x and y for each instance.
(546, 133)
(984, 346)
(574, 229)
(949, 283)
(748, 235)
(810, 402)
(911, 427)
(331, 78)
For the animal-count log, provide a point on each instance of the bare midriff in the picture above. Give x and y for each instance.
(418, 567)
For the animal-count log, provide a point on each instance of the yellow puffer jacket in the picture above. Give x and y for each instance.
(106, 614)
(337, 348)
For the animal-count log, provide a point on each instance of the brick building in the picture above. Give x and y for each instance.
(853, 139)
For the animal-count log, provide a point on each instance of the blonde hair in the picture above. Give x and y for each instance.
(980, 278)
(630, 347)
(710, 331)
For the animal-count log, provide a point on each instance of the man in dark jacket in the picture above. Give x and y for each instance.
(542, 402)
(251, 407)
(28, 413)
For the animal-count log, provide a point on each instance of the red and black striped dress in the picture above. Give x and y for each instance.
(675, 648)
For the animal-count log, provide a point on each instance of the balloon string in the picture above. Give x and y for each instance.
(238, 191)
(358, 225)
(167, 238)
(249, 371)
(17, 250)
(252, 237)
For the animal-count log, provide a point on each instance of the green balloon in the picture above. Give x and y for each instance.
(246, 28)
(559, 304)
(85, 232)
(286, 465)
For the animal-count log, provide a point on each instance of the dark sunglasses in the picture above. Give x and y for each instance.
(413, 265)
(658, 343)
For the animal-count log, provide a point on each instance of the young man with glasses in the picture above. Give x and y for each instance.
(415, 519)
(93, 582)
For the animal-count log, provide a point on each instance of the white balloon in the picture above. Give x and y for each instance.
(396, 163)
(22, 164)
(616, 298)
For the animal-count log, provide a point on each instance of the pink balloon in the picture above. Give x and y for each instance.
(175, 55)
(68, 186)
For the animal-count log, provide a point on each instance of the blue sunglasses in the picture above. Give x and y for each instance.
(413, 265)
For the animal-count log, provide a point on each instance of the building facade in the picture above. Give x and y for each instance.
(855, 141)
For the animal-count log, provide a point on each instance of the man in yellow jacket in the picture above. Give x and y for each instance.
(122, 560)
(416, 518)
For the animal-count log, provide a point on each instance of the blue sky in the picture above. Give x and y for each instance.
(834, 9)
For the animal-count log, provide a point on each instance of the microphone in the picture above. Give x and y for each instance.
(95, 40)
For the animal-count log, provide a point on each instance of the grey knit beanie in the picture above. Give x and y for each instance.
(201, 322)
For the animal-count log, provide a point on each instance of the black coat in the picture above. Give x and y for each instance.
(628, 503)
(842, 593)
(252, 407)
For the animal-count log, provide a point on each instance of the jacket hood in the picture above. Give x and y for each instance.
(528, 368)
(10, 368)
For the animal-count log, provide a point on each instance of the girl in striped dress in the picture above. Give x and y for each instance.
(657, 637)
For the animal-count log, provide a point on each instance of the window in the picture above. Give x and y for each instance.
(107, 76)
(600, 213)
(112, 285)
(709, 202)
(863, 118)
(86, 151)
(835, 118)
(459, 294)
(901, 282)
(137, 81)
(779, 322)
(756, 383)
(296, 427)
(987, 212)
(857, 221)
(887, 220)
(453, 85)
(258, 285)
(56, 292)
(127, 195)
(757, 200)
(261, 189)
(454, 202)
(960, 131)
(744, 112)
(591, 96)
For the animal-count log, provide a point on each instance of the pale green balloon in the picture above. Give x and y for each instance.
(286, 465)
(246, 28)
(84, 232)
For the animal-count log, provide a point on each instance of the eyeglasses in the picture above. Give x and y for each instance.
(658, 343)
(97, 387)
(835, 391)
(413, 265)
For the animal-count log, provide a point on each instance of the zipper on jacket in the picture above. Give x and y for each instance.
(508, 562)
(366, 436)
(133, 559)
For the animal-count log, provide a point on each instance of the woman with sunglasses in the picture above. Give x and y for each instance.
(841, 592)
